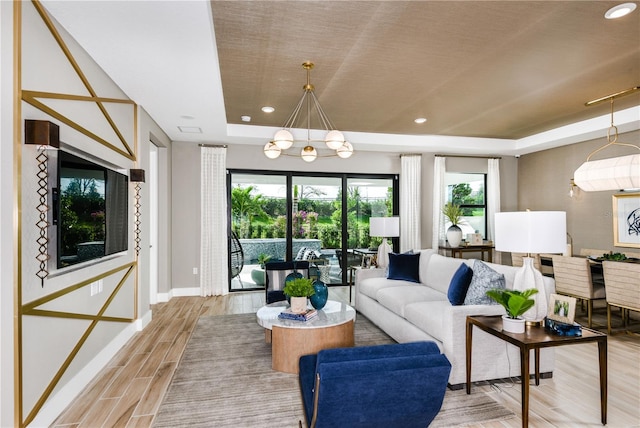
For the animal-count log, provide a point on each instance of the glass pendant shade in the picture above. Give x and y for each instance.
(271, 150)
(334, 139)
(345, 150)
(309, 154)
(283, 139)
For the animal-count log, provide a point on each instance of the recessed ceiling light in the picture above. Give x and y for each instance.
(420, 120)
(268, 109)
(245, 118)
(620, 10)
(190, 129)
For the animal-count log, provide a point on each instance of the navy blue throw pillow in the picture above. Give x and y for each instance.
(459, 285)
(404, 267)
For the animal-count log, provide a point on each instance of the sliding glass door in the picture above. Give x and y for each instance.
(322, 218)
(366, 198)
(316, 226)
(258, 205)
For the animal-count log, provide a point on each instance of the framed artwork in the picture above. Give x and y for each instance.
(562, 308)
(626, 220)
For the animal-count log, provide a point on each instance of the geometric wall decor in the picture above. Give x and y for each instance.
(60, 329)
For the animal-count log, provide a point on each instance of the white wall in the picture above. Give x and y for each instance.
(7, 225)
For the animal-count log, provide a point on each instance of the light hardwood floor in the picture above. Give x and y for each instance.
(128, 392)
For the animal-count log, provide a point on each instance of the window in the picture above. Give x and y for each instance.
(468, 191)
(285, 215)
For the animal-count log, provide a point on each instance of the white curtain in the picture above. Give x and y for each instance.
(439, 169)
(493, 201)
(410, 196)
(214, 264)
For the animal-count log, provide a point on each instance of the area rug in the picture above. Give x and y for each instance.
(225, 379)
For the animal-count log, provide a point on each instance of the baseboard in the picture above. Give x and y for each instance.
(56, 404)
(178, 292)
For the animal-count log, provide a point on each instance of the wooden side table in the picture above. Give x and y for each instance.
(458, 251)
(333, 328)
(535, 338)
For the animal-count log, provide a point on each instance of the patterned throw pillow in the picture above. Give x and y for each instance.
(307, 254)
(484, 279)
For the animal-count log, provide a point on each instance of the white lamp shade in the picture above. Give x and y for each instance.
(609, 174)
(283, 139)
(334, 139)
(271, 150)
(385, 227)
(309, 154)
(345, 150)
(531, 232)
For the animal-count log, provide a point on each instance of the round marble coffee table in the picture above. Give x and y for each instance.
(333, 328)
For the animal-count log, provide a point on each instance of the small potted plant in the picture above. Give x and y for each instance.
(454, 234)
(515, 303)
(299, 289)
(257, 275)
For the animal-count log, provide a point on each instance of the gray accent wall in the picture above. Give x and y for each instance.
(544, 185)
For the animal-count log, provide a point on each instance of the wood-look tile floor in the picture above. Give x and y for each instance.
(129, 390)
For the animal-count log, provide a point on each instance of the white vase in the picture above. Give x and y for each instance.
(529, 277)
(454, 236)
(298, 305)
(513, 325)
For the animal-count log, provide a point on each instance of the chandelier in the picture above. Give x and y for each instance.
(283, 139)
(622, 172)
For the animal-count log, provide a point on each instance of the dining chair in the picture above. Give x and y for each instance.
(516, 259)
(623, 289)
(586, 252)
(573, 278)
(631, 255)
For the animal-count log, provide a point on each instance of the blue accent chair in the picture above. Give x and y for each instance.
(396, 385)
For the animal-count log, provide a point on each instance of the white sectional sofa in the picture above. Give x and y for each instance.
(409, 311)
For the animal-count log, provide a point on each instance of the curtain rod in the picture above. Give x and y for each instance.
(467, 156)
(224, 146)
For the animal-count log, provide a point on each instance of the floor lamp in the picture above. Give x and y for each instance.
(384, 227)
(531, 232)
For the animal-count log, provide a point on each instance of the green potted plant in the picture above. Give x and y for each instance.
(515, 303)
(299, 289)
(454, 234)
(257, 274)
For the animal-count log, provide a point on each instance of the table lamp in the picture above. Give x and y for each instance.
(384, 227)
(531, 232)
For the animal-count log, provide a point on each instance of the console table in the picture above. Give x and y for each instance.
(458, 251)
(534, 338)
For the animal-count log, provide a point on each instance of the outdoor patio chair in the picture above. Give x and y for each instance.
(276, 274)
(237, 257)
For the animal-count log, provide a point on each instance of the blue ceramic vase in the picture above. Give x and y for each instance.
(319, 299)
